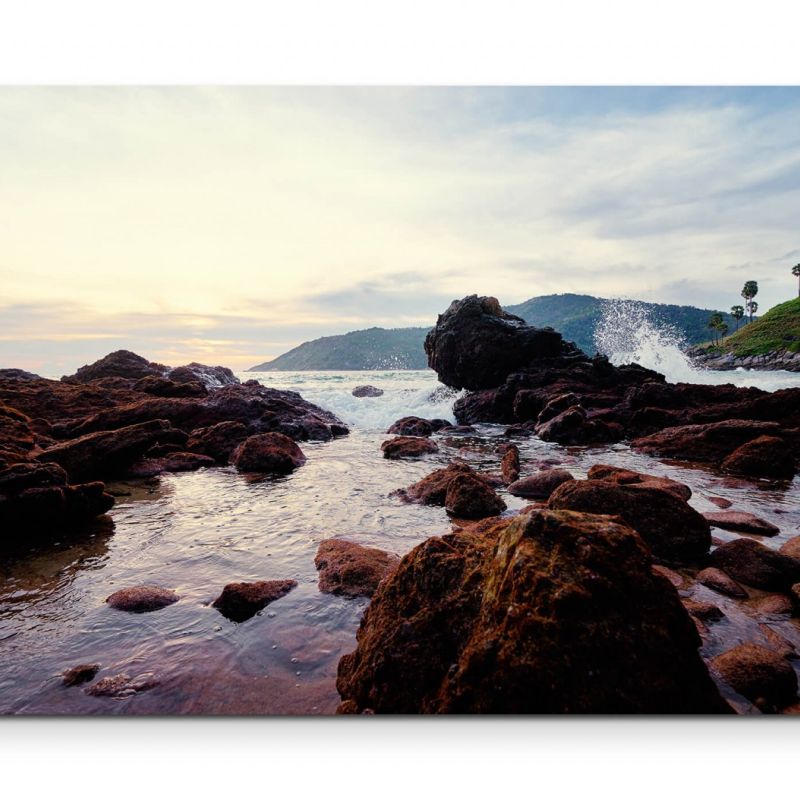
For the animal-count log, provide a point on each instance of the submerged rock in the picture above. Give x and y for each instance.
(240, 601)
(350, 569)
(550, 612)
(720, 582)
(367, 391)
(763, 457)
(140, 599)
(122, 685)
(268, 452)
(742, 521)
(408, 447)
(541, 485)
(83, 673)
(752, 563)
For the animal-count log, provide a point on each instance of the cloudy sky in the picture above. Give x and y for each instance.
(228, 225)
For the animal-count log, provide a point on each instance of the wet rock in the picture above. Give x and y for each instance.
(476, 345)
(440, 424)
(268, 452)
(217, 441)
(541, 485)
(552, 612)
(742, 522)
(669, 525)
(553, 407)
(607, 472)
(83, 673)
(763, 457)
(408, 447)
(719, 502)
(240, 601)
(773, 604)
(509, 464)
(774, 641)
(707, 612)
(350, 569)
(173, 462)
(432, 489)
(119, 364)
(164, 387)
(573, 427)
(469, 497)
(720, 582)
(367, 391)
(458, 429)
(17, 438)
(411, 426)
(122, 685)
(752, 563)
(206, 376)
(518, 431)
(760, 674)
(107, 453)
(791, 547)
(140, 599)
(675, 578)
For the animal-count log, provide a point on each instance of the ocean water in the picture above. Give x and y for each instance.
(195, 532)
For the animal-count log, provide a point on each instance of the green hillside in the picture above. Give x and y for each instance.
(575, 316)
(777, 330)
(375, 348)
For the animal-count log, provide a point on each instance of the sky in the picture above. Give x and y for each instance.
(227, 225)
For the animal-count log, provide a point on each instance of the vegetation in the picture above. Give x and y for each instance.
(778, 329)
(796, 273)
(737, 312)
(718, 326)
(749, 291)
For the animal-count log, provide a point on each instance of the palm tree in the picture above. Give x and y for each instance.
(749, 291)
(753, 309)
(737, 312)
(715, 322)
(723, 329)
(796, 273)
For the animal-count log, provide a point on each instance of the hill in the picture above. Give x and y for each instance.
(776, 331)
(575, 316)
(374, 348)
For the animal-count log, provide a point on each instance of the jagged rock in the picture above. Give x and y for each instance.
(509, 464)
(549, 612)
(350, 569)
(741, 521)
(217, 441)
(411, 426)
(83, 673)
(209, 377)
(759, 674)
(470, 497)
(541, 485)
(140, 599)
(367, 391)
(763, 457)
(573, 426)
(408, 447)
(752, 563)
(552, 408)
(672, 528)
(119, 364)
(240, 601)
(607, 472)
(17, 439)
(720, 582)
(164, 387)
(268, 452)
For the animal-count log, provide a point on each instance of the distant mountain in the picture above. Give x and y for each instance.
(374, 348)
(575, 316)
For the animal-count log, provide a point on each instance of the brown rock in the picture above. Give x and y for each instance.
(707, 612)
(408, 447)
(552, 612)
(140, 599)
(720, 582)
(541, 485)
(774, 641)
(672, 528)
(217, 441)
(432, 489)
(240, 601)
(119, 364)
(791, 547)
(759, 674)
(411, 426)
(741, 521)
(763, 457)
(173, 462)
(469, 497)
(675, 578)
(719, 502)
(750, 562)
(350, 569)
(122, 685)
(607, 472)
(268, 452)
(509, 465)
(83, 673)
(773, 604)
(164, 387)
(573, 427)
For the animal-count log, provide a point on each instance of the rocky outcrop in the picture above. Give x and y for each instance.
(408, 447)
(742, 522)
(119, 364)
(208, 377)
(367, 391)
(240, 601)
(669, 525)
(17, 439)
(141, 599)
(754, 564)
(763, 457)
(268, 452)
(350, 569)
(541, 485)
(549, 612)
(18, 374)
(217, 441)
(778, 359)
(574, 427)
(164, 387)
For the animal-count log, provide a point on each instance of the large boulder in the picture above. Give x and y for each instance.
(432, 489)
(408, 447)
(268, 452)
(470, 497)
(350, 569)
(240, 601)
(217, 441)
(672, 528)
(209, 377)
(476, 345)
(752, 563)
(119, 364)
(763, 457)
(540, 485)
(549, 612)
(608, 472)
(411, 426)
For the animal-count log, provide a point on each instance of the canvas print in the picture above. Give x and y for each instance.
(399, 400)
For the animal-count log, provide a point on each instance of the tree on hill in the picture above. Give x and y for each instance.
(753, 309)
(715, 322)
(737, 312)
(796, 273)
(749, 291)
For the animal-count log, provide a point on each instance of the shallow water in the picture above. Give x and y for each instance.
(195, 532)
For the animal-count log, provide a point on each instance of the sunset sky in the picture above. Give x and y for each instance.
(227, 225)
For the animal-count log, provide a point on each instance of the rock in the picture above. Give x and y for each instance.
(763, 457)
(519, 431)
(367, 391)
(549, 612)
(17, 438)
(217, 441)
(350, 569)
(469, 497)
(573, 427)
(83, 673)
(411, 426)
(774, 641)
(268, 452)
(108, 453)
(122, 685)
(707, 612)
(164, 387)
(208, 377)
(675, 578)
(719, 502)
(791, 547)
(541, 485)
(408, 447)
(37, 498)
(240, 601)
(458, 429)
(720, 582)
(750, 562)
(172, 462)
(476, 345)
(139, 599)
(119, 364)
(606, 472)
(741, 521)
(759, 674)
(18, 375)
(773, 604)
(509, 464)
(432, 489)
(669, 525)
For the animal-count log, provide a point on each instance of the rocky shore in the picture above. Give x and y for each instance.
(778, 359)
